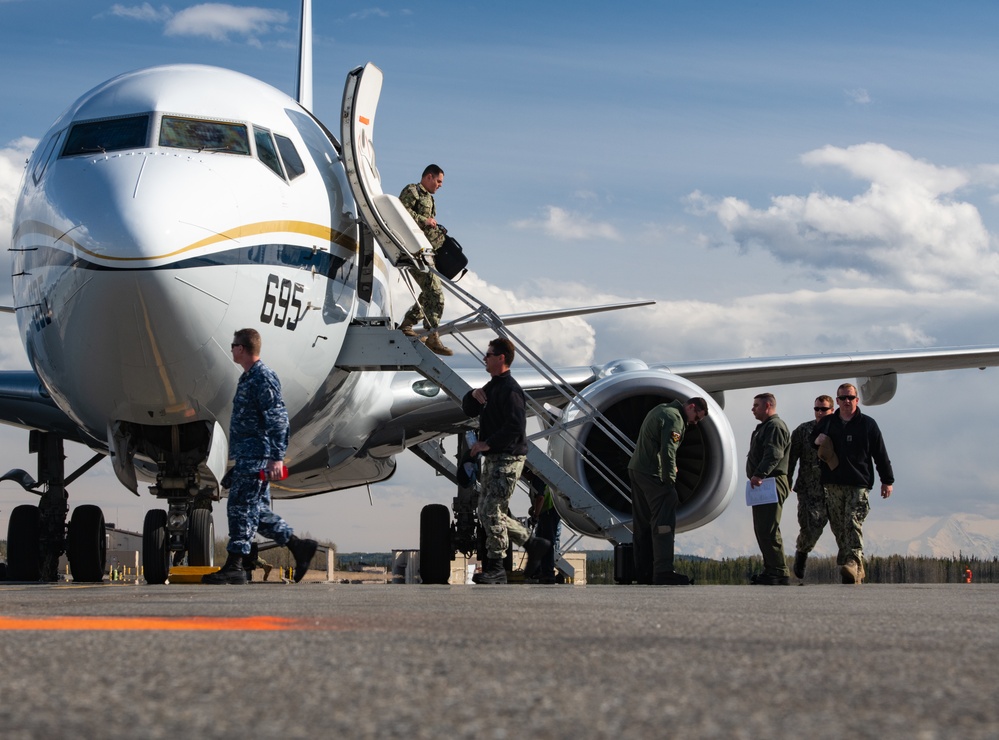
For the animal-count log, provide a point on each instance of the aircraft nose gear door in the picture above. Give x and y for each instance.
(384, 214)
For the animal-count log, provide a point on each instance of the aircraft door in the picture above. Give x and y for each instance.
(384, 214)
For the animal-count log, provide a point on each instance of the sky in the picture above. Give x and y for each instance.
(781, 178)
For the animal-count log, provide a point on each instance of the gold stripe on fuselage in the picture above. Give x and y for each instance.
(240, 232)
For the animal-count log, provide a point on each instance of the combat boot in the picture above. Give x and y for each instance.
(536, 548)
(799, 564)
(231, 573)
(302, 550)
(861, 573)
(434, 345)
(406, 327)
(849, 572)
(493, 572)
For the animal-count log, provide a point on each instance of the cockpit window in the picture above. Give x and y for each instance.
(266, 151)
(289, 155)
(42, 161)
(107, 136)
(210, 136)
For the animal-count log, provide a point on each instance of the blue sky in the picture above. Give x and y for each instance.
(781, 178)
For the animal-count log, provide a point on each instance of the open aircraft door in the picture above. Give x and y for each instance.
(384, 214)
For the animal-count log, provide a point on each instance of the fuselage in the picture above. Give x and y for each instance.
(167, 208)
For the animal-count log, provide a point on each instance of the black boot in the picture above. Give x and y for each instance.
(250, 562)
(493, 572)
(230, 573)
(536, 548)
(799, 564)
(302, 550)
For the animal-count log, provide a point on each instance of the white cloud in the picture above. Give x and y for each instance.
(361, 15)
(859, 96)
(218, 21)
(144, 12)
(908, 229)
(565, 225)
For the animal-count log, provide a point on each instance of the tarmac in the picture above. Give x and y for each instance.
(393, 661)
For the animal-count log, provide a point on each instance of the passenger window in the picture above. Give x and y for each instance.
(266, 151)
(107, 136)
(204, 136)
(289, 155)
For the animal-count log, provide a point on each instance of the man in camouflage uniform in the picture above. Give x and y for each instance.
(812, 515)
(652, 470)
(418, 199)
(258, 440)
(501, 408)
(768, 458)
(847, 476)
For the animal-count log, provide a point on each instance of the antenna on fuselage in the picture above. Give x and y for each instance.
(304, 92)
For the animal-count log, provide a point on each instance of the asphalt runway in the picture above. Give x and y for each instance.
(395, 661)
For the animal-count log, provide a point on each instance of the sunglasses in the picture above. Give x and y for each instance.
(822, 408)
(492, 354)
(846, 398)
(234, 345)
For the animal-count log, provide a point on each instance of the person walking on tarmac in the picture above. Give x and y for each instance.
(850, 449)
(812, 513)
(501, 407)
(418, 199)
(258, 440)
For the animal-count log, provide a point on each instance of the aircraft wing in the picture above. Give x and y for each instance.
(720, 375)
(24, 402)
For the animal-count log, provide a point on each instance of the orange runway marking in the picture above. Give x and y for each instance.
(136, 624)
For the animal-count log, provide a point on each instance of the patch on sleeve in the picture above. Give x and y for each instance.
(675, 436)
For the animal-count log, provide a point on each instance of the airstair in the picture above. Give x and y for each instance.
(374, 344)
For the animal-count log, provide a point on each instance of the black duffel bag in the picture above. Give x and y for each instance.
(450, 258)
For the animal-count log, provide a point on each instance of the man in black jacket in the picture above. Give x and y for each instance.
(501, 407)
(847, 476)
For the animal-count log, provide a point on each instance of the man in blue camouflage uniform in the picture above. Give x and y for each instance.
(501, 407)
(418, 200)
(258, 440)
(812, 514)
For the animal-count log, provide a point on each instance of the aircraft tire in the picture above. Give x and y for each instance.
(201, 538)
(435, 544)
(155, 552)
(86, 546)
(23, 531)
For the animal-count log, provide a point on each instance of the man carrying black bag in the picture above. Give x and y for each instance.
(418, 200)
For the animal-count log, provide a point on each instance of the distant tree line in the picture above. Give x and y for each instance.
(887, 569)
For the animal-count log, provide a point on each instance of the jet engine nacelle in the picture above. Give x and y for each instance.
(706, 461)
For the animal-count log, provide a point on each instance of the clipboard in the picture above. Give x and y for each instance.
(766, 493)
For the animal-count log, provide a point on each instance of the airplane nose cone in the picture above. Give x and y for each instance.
(139, 295)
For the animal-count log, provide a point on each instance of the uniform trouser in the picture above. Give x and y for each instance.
(848, 508)
(766, 525)
(549, 524)
(430, 304)
(812, 518)
(249, 512)
(500, 474)
(653, 506)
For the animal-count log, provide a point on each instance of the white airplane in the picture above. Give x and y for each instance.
(170, 206)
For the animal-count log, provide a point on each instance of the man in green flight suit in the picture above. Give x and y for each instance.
(769, 454)
(418, 200)
(653, 489)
